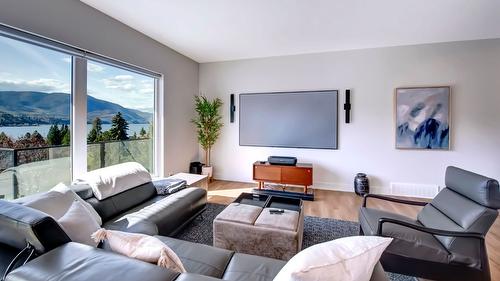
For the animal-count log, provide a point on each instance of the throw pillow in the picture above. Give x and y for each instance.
(62, 188)
(79, 224)
(142, 247)
(53, 203)
(108, 181)
(345, 259)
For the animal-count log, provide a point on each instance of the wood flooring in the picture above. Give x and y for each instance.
(344, 206)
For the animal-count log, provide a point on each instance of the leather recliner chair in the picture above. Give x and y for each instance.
(447, 239)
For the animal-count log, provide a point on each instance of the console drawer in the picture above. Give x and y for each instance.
(267, 173)
(296, 176)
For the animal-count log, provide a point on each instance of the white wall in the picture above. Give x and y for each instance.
(75, 23)
(367, 144)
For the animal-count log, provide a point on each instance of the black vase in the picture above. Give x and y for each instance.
(361, 184)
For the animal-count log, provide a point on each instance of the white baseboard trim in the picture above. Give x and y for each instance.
(344, 187)
(376, 190)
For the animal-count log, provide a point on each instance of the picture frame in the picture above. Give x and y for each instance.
(422, 117)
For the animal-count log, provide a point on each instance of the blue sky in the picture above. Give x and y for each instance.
(24, 67)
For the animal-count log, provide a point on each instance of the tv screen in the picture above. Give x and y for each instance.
(289, 119)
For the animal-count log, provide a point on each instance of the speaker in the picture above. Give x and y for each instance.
(347, 106)
(232, 109)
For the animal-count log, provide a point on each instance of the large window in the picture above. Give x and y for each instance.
(120, 111)
(35, 103)
(41, 101)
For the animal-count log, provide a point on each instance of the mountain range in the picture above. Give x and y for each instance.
(35, 108)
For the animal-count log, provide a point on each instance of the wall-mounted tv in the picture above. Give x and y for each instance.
(306, 119)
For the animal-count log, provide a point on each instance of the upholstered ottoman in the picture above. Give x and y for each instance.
(255, 230)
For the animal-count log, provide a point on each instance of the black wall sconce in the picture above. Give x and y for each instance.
(232, 109)
(347, 106)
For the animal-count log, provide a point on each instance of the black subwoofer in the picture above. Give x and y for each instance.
(195, 168)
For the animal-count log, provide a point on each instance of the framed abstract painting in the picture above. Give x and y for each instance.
(423, 118)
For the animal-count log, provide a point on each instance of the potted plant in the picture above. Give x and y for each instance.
(208, 123)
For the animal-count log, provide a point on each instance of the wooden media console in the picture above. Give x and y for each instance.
(300, 174)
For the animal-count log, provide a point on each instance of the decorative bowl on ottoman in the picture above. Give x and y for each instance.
(270, 226)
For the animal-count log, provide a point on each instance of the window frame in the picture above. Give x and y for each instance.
(80, 58)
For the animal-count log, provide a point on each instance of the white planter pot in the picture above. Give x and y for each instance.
(207, 170)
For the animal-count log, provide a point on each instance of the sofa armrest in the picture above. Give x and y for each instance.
(74, 262)
(432, 231)
(21, 225)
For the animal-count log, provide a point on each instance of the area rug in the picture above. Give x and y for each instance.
(316, 230)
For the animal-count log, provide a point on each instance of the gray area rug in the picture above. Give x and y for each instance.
(316, 230)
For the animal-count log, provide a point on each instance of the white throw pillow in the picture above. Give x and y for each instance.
(142, 247)
(62, 188)
(345, 259)
(79, 224)
(53, 203)
(108, 181)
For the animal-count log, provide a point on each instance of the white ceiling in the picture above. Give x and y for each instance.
(218, 30)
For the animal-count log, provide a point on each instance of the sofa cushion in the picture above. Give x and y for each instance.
(109, 181)
(83, 190)
(134, 224)
(406, 241)
(74, 262)
(245, 267)
(167, 213)
(116, 205)
(198, 258)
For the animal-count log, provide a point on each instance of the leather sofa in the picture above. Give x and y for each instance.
(73, 261)
(141, 210)
(44, 252)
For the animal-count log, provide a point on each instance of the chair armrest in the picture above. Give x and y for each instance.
(386, 198)
(481, 237)
(433, 231)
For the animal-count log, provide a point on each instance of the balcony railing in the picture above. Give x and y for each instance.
(25, 171)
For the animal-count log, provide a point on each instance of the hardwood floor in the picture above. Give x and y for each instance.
(344, 206)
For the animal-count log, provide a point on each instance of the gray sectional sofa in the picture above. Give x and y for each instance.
(55, 257)
(29, 235)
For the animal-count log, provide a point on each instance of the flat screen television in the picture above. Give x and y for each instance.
(306, 119)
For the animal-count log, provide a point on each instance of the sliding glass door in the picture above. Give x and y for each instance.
(35, 118)
(120, 114)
